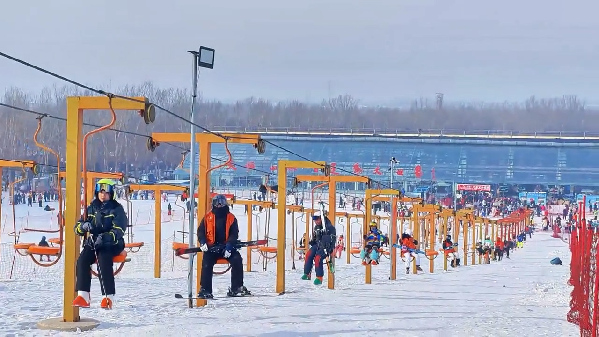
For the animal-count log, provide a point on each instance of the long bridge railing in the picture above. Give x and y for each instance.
(424, 133)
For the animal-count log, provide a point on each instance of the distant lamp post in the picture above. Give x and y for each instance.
(206, 57)
(392, 164)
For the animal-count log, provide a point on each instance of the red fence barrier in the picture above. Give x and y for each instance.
(584, 277)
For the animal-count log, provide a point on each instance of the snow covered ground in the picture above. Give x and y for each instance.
(524, 296)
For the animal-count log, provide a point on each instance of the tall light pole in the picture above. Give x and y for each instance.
(392, 241)
(202, 58)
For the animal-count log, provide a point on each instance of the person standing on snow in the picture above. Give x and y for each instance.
(105, 227)
(218, 233)
(321, 246)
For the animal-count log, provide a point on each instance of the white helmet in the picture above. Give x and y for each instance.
(408, 231)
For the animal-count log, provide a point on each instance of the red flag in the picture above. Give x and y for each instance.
(273, 167)
(357, 169)
(250, 165)
(399, 172)
(316, 170)
(377, 171)
(291, 169)
(418, 171)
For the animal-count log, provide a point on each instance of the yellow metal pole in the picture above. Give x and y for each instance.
(432, 230)
(367, 217)
(465, 238)
(332, 210)
(445, 226)
(473, 245)
(72, 206)
(392, 239)
(281, 221)
(157, 233)
(348, 245)
(248, 266)
(1, 189)
(203, 198)
(416, 235)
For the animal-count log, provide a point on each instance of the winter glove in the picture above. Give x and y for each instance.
(203, 247)
(103, 239)
(86, 227)
(83, 227)
(228, 250)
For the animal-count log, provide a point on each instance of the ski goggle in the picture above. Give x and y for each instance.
(104, 187)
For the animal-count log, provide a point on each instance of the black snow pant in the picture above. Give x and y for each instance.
(105, 272)
(507, 252)
(498, 254)
(209, 260)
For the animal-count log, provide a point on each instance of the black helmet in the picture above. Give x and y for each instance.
(219, 200)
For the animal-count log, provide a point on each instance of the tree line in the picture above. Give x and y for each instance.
(123, 152)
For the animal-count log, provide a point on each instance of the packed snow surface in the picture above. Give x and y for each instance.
(523, 296)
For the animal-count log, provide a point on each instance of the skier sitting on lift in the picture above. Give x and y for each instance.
(105, 225)
(321, 246)
(450, 251)
(370, 253)
(219, 228)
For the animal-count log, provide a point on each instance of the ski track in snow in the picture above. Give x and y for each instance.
(524, 295)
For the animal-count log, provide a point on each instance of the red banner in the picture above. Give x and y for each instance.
(474, 187)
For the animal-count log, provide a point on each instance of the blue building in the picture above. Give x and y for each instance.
(453, 159)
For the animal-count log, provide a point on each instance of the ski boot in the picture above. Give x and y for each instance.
(407, 270)
(82, 300)
(453, 263)
(374, 262)
(239, 292)
(366, 261)
(204, 294)
(306, 277)
(418, 268)
(107, 302)
(318, 280)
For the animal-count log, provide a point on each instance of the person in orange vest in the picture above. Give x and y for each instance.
(217, 229)
(450, 252)
(499, 247)
(408, 250)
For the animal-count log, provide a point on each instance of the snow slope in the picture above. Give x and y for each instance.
(524, 295)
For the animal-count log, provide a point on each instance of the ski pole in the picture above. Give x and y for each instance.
(99, 272)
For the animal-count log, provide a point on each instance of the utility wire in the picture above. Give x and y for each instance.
(105, 93)
(43, 115)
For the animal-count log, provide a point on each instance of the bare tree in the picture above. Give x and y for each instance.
(121, 151)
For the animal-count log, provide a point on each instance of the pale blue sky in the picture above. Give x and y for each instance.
(377, 50)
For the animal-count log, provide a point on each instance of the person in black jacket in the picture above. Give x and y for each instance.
(105, 227)
(217, 234)
(321, 246)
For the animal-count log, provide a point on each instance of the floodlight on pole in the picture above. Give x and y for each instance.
(206, 57)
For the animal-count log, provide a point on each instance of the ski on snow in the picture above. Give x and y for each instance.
(180, 296)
